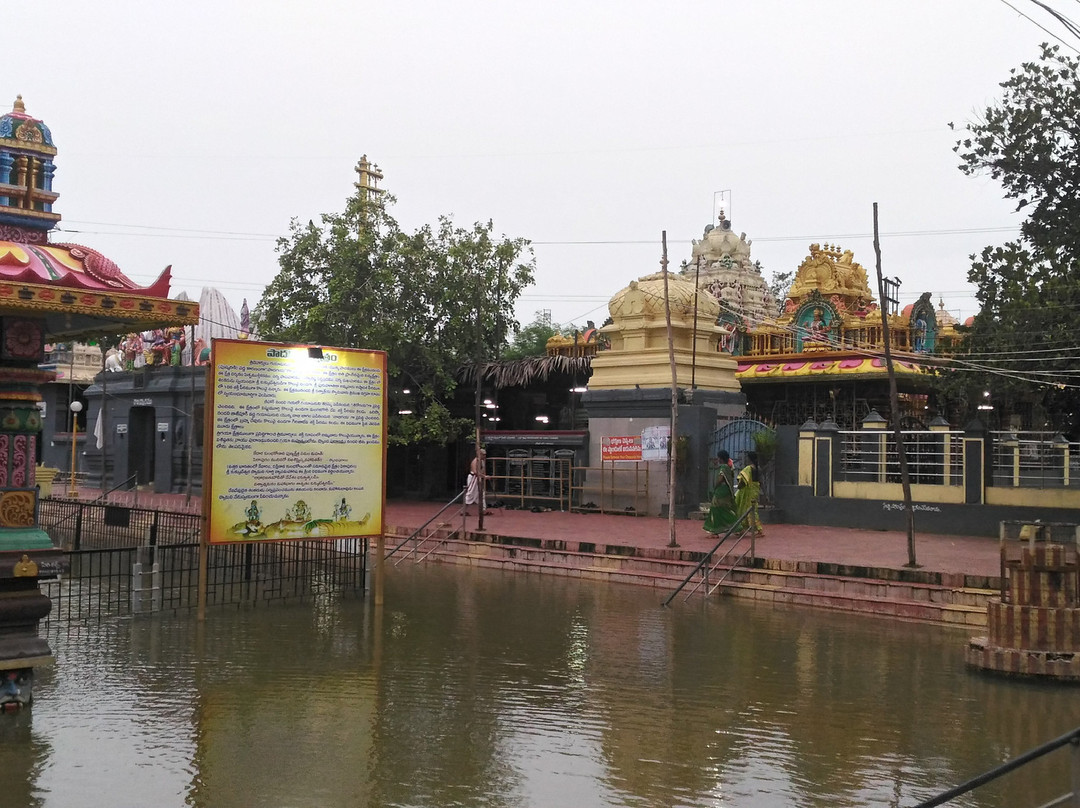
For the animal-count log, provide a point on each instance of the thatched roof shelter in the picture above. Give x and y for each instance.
(524, 372)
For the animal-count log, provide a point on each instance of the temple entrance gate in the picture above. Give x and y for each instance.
(141, 445)
(737, 437)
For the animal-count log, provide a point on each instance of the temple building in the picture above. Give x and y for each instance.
(822, 357)
(145, 411)
(50, 292)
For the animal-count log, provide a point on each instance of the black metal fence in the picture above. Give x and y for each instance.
(125, 561)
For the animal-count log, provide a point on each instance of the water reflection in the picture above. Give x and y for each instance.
(479, 688)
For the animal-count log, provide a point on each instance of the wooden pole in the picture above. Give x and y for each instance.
(480, 482)
(894, 402)
(674, 399)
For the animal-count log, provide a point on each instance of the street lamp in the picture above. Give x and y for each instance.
(76, 408)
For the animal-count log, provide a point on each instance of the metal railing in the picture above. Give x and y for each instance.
(123, 561)
(1071, 799)
(934, 458)
(1035, 460)
(418, 543)
(612, 487)
(77, 525)
(705, 566)
(555, 483)
(524, 482)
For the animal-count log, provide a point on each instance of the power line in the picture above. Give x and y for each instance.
(1039, 25)
(224, 235)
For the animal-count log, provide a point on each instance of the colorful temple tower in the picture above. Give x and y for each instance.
(721, 265)
(822, 357)
(48, 291)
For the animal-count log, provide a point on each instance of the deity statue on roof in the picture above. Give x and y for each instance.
(721, 262)
(131, 349)
(835, 275)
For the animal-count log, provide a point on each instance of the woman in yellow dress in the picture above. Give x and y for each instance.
(746, 497)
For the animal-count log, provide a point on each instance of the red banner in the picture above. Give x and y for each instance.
(620, 447)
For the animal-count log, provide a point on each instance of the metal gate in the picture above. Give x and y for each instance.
(738, 438)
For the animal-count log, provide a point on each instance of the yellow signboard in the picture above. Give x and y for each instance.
(296, 442)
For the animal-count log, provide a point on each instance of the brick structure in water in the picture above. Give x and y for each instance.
(1034, 628)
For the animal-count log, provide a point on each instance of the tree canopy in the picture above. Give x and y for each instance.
(531, 339)
(1022, 345)
(434, 300)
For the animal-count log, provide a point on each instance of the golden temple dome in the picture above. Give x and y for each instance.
(645, 298)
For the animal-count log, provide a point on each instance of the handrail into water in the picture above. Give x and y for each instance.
(731, 564)
(414, 534)
(1072, 798)
(708, 556)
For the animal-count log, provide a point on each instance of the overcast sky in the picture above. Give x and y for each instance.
(191, 133)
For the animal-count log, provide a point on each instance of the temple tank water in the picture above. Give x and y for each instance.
(474, 687)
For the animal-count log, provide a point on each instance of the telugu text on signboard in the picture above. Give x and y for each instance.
(297, 439)
(620, 447)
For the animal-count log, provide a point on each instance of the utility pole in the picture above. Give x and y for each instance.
(693, 352)
(674, 399)
(894, 401)
(480, 471)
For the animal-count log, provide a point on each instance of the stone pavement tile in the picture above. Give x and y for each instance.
(790, 544)
(967, 555)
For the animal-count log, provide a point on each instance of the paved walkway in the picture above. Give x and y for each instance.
(970, 555)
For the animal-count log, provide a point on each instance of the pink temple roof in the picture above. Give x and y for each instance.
(71, 266)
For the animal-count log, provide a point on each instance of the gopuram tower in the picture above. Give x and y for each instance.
(48, 292)
(721, 264)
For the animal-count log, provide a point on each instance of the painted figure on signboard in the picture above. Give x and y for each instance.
(342, 511)
(253, 514)
(301, 512)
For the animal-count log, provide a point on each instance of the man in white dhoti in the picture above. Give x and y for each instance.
(474, 485)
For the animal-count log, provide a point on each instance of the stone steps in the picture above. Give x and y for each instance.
(950, 600)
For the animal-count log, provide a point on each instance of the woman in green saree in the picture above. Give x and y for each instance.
(722, 513)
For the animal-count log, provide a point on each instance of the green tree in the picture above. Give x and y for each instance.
(779, 285)
(1021, 346)
(434, 300)
(531, 339)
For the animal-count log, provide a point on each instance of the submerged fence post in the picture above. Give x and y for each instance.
(145, 582)
(78, 526)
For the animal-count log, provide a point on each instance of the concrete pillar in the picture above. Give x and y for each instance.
(1011, 446)
(826, 458)
(940, 427)
(1061, 458)
(873, 446)
(806, 453)
(976, 462)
